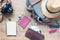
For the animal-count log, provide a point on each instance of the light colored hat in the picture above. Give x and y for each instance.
(50, 8)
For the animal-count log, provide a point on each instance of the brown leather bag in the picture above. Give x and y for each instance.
(32, 35)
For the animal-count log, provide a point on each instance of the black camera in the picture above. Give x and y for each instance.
(7, 8)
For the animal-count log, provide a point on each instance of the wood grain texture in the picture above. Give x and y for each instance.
(19, 8)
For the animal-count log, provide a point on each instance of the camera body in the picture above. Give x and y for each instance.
(6, 8)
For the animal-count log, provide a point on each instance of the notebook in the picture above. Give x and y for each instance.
(23, 22)
(11, 28)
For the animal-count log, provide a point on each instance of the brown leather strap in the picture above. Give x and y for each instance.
(1, 18)
(35, 1)
(1, 15)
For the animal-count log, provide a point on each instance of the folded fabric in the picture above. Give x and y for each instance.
(53, 30)
(35, 28)
(23, 22)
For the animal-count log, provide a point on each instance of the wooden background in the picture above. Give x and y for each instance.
(20, 8)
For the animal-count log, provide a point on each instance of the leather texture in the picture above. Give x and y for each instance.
(32, 35)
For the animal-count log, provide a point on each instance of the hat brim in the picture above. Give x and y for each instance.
(46, 13)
